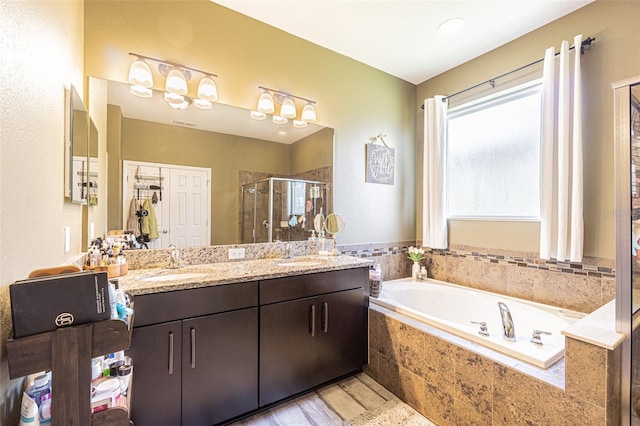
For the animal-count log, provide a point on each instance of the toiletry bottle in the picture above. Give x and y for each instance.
(375, 280)
(423, 273)
(40, 390)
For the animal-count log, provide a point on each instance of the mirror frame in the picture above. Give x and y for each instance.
(74, 103)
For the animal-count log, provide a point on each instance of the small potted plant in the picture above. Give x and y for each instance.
(416, 254)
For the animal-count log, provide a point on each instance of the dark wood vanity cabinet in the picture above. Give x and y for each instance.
(312, 330)
(204, 356)
(200, 366)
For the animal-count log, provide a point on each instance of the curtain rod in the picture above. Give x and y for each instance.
(492, 81)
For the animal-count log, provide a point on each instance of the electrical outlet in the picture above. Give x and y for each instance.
(236, 253)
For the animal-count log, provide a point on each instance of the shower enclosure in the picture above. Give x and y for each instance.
(279, 209)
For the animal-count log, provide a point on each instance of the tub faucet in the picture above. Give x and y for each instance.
(509, 331)
(174, 259)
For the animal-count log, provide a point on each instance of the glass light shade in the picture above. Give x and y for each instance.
(265, 103)
(288, 108)
(176, 82)
(202, 103)
(257, 115)
(308, 114)
(140, 74)
(176, 101)
(299, 124)
(279, 120)
(451, 26)
(140, 91)
(207, 90)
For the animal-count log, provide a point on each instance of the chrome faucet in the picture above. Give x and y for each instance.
(288, 253)
(509, 331)
(174, 259)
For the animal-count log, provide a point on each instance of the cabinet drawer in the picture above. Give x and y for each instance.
(288, 288)
(174, 305)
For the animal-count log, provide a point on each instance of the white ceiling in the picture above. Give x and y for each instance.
(400, 37)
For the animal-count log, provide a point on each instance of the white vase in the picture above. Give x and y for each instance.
(415, 270)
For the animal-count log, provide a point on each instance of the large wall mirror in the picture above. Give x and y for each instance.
(165, 157)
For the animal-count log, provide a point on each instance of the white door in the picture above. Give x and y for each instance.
(183, 205)
(189, 220)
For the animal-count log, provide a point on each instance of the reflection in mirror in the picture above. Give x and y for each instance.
(235, 150)
(76, 166)
(635, 193)
(334, 224)
(318, 223)
(92, 161)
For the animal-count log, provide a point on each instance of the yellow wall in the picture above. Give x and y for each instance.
(42, 54)
(615, 55)
(354, 99)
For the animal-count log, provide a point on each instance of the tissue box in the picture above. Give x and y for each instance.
(46, 303)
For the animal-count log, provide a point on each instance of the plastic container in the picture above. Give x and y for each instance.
(40, 391)
(375, 280)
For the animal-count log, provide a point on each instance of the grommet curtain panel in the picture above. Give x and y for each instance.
(434, 219)
(561, 192)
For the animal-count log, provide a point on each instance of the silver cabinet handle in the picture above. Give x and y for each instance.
(193, 348)
(171, 352)
(312, 320)
(325, 317)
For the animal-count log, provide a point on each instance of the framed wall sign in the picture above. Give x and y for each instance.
(380, 162)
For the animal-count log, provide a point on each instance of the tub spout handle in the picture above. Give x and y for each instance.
(536, 339)
(484, 331)
(509, 331)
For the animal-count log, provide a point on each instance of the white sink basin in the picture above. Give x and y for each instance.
(176, 276)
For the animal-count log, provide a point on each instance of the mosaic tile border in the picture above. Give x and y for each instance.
(572, 268)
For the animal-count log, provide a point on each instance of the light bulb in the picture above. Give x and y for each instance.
(176, 82)
(140, 74)
(207, 89)
(308, 113)
(265, 103)
(288, 108)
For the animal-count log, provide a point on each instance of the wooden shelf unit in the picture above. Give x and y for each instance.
(67, 352)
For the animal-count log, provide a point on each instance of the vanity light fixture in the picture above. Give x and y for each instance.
(176, 87)
(140, 78)
(266, 105)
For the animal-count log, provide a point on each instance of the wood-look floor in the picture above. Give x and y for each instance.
(343, 403)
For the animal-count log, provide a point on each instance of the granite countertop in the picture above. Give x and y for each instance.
(158, 280)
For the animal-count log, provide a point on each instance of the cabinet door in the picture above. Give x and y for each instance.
(288, 333)
(342, 334)
(156, 384)
(219, 367)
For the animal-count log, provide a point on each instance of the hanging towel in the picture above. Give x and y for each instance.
(149, 222)
(132, 221)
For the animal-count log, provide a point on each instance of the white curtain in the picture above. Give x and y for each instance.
(434, 220)
(562, 228)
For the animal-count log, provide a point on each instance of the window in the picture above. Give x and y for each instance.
(493, 156)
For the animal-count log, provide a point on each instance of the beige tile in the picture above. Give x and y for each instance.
(410, 349)
(466, 415)
(474, 381)
(374, 329)
(583, 294)
(516, 397)
(413, 390)
(586, 367)
(439, 363)
(372, 368)
(614, 376)
(608, 290)
(438, 267)
(565, 410)
(438, 406)
(389, 375)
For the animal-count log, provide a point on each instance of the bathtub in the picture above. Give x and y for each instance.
(451, 308)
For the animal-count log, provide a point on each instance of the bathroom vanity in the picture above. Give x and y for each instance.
(235, 337)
